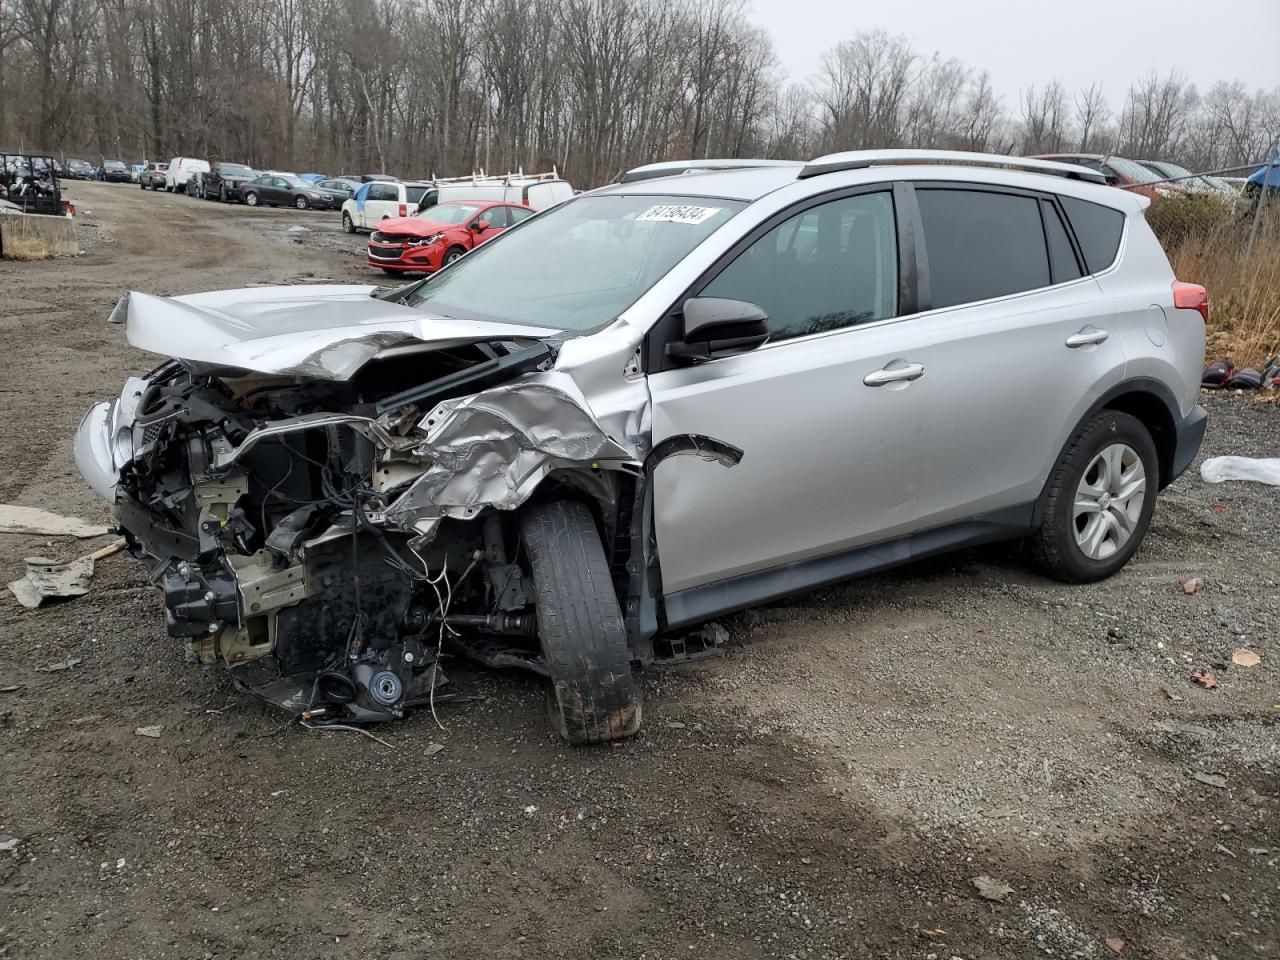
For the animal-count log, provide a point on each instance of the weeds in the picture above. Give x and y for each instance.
(1244, 297)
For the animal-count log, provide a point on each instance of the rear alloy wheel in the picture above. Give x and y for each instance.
(251, 199)
(593, 697)
(300, 203)
(1099, 501)
(347, 225)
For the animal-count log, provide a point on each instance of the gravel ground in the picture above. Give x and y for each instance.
(829, 788)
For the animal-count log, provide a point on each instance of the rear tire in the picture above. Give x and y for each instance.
(347, 225)
(1099, 500)
(593, 698)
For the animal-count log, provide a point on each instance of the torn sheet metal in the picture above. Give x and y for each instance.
(493, 448)
(37, 522)
(326, 332)
(52, 578)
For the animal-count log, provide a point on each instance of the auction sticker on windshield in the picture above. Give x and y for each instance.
(677, 213)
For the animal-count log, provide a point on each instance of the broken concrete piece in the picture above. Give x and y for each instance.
(151, 731)
(33, 520)
(991, 889)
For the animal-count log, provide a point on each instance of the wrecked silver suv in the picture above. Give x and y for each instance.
(646, 407)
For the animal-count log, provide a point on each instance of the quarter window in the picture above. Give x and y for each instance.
(831, 266)
(981, 245)
(1098, 230)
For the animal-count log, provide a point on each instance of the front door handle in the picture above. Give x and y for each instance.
(1087, 337)
(891, 374)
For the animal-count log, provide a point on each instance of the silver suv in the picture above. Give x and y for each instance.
(649, 406)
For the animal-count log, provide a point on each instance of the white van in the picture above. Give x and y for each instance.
(180, 171)
(535, 192)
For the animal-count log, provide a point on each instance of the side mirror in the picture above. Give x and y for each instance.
(714, 328)
(481, 225)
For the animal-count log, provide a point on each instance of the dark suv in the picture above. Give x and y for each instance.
(223, 180)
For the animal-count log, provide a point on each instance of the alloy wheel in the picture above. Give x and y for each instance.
(1108, 502)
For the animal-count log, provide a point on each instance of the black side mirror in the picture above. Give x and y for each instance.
(714, 328)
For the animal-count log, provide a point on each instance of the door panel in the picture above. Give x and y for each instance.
(828, 462)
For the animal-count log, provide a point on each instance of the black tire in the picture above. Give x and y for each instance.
(593, 698)
(1053, 547)
(141, 185)
(300, 203)
(250, 199)
(452, 254)
(347, 225)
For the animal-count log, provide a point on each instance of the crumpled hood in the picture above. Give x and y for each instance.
(412, 226)
(324, 331)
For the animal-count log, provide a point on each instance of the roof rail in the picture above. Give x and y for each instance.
(862, 159)
(675, 168)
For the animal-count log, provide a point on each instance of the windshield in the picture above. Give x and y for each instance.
(113, 165)
(449, 213)
(1133, 170)
(234, 170)
(578, 265)
(293, 181)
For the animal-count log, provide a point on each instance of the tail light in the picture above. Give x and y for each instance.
(1191, 296)
(404, 210)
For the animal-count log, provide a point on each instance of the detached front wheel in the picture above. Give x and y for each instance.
(593, 698)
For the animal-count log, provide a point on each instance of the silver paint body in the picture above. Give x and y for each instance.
(830, 462)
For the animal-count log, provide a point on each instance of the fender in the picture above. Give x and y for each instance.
(1164, 444)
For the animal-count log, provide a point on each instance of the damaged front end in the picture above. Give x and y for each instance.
(326, 511)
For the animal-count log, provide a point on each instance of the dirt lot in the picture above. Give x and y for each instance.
(829, 788)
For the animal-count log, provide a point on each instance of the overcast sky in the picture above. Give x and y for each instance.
(1025, 41)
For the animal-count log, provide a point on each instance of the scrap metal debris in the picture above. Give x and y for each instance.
(33, 520)
(1210, 779)
(50, 578)
(59, 665)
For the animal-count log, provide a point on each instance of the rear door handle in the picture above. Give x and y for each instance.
(1086, 338)
(908, 371)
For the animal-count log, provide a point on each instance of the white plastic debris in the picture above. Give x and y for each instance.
(33, 520)
(1218, 469)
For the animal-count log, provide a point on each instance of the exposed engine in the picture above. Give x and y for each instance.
(321, 554)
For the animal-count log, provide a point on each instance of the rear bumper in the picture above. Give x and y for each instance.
(1188, 435)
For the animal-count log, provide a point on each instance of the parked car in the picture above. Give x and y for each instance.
(535, 192)
(1193, 183)
(78, 170)
(312, 177)
(338, 190)
(1121, 172)
(135, 171)
(153, 175)
(367, 177)
(378, 200)
(180, 171)
(438, 236)
(223, 181)
(195, 185)
(1267, 176)
(114, 171)
(644, 408)
(282, 189)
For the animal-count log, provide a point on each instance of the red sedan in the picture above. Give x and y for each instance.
(439, 235)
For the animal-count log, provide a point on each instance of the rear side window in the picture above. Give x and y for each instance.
(1098, 230)
(383, 191)
(1062, 259)
(982, 245)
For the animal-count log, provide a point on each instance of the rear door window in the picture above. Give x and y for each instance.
(1098, 230)
(981, 244)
